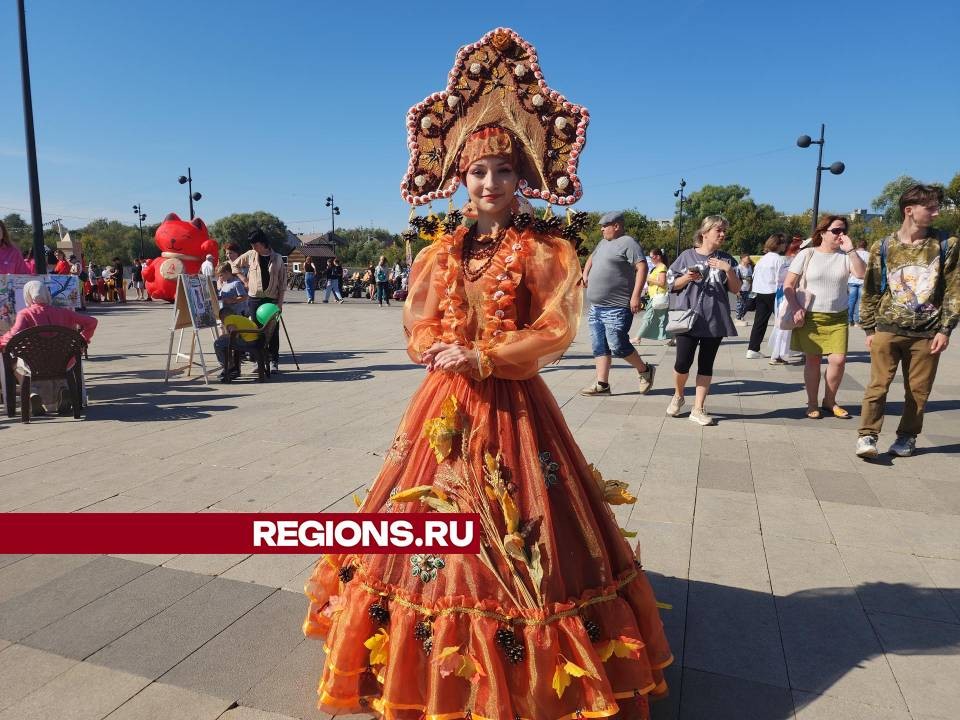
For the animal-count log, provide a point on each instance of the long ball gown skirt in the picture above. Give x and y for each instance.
(554, 618)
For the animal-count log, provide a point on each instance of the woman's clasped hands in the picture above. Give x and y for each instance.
(450, 357)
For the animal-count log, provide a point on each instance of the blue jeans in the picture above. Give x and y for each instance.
(383, 292)
(609, 331)
(309, 280)
(853, 302)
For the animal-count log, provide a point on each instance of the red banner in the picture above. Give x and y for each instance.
(238, 533)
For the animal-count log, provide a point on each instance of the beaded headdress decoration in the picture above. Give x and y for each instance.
(496, 83)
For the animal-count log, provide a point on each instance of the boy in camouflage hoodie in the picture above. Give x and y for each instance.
(910, 305)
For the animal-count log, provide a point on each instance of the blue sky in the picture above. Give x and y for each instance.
(276, 105)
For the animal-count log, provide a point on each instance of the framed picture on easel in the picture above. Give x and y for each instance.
(195, 308)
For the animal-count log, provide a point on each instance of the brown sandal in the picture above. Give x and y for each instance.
(814, 413)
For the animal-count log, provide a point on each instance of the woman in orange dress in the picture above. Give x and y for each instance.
(554, 618)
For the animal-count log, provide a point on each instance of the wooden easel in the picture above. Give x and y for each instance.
(185, 320)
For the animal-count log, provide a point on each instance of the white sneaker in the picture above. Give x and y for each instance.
(753, 355)
(867, 446)
(701, 417)
(646, 379)
(905, 446)
(676, 405)
(596, 389)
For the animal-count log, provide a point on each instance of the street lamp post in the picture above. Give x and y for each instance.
(334, 210)
(836, 168)
(141, 216)
(36, 214)
(188, 180)
(679, 193)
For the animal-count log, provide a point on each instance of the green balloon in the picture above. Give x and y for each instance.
(265, 312)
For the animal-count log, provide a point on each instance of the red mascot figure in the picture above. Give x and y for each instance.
(183, 247)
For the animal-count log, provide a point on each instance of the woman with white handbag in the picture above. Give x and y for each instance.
(816, 295)
(653, 324)
(701, 280)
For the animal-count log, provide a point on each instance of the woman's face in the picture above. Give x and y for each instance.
(232, 254)
(491, 182)
(830, 240)
(715, 236)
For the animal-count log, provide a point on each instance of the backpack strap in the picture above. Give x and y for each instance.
(883, 264)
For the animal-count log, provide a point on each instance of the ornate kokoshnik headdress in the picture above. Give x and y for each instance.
(496, 82)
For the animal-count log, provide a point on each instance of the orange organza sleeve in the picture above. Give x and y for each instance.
(552, 276)
(421, 311)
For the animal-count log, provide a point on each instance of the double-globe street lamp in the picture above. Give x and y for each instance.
(141, 216)
(679, 193)
(188, 181)
(334, 210)
(836, 168)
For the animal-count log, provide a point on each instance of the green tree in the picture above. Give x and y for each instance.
(886, 201)
(236, 228)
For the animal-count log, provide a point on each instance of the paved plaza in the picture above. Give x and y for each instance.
(802, 582)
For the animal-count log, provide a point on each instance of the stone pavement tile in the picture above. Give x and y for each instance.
(831, 648)
(930, 535)
(865, 526)
(46, 604)
(672, 592)
(266, 492)
(800, 565)
(788, 481)
(719, 473)
(243, 653)
(247, 713)
(165, 639)
(4, 644)
(10, 559)
(290, 688)
(825, 707)
(946, 575)
(662, 501)
(730, 558)
(840, 487)
(23, 670)
(677, 470)
(894, 583)
(722, 697)
(198, 483)
(905, 493)
(83, 632)
(205, 564)
(733, 631)
(663, 547)
(159, 700)
(946, 491)
(270, 570)
(37, 570)
(147, 559)
(792, 517)
(84, 692)
(726, 508)
(118, 503)
(922, 654)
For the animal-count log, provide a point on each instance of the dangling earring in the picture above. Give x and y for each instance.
(469, 210)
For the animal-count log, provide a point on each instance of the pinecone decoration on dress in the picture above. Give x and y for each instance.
(379, 613)
(541, 226)
(452, 221)
(422, 631)
(521, 221)
(346, 573)
(428, 645)
(593, 630)
(511, 645)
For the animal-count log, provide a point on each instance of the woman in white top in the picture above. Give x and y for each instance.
(821, 315)
(766, 280)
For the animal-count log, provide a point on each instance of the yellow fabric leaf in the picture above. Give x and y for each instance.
(511, 514)
(627, 647)
(411, 494)
(627, 533)
(379, 647)
(491, 462)
(606, 651)
(438, 504)
(577, 671)
(440, 431)
(447, 652)
(597, 477)
(357, 501)
(615, 492)
(561, 680)
(470, 669)
(489, 491)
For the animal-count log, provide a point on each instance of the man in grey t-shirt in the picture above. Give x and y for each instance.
(614, 276)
